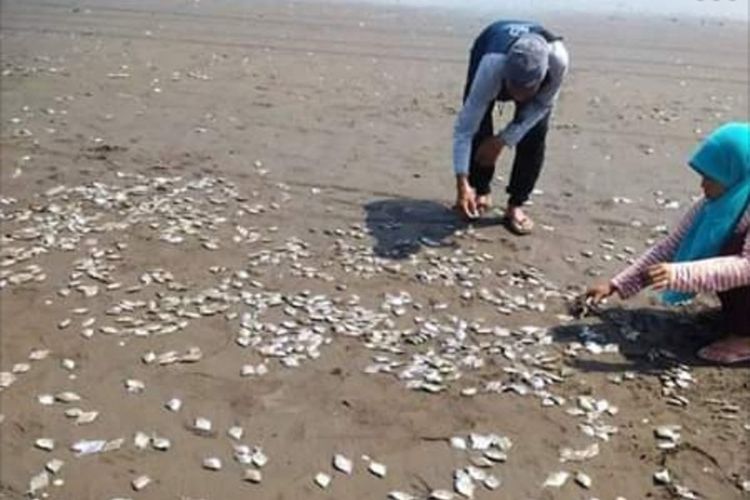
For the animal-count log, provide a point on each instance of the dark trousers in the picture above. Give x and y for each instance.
(735, 303)
(529, 157)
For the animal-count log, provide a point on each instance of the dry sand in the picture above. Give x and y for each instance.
(351, 108)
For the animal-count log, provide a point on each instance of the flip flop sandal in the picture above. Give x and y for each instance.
(719, 356)
(521, 228)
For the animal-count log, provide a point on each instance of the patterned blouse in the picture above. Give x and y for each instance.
(716, 274)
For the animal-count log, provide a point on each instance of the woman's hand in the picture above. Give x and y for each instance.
(599, 292)
(659, 276)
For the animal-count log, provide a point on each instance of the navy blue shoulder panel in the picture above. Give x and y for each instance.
(499, 36)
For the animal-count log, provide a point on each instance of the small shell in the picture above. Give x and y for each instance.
(469, 391)
(202, 424)
(174, 404)
(491, 482)
(342, 464)
(482, 462)
(67, 397)
(85, 447)
(45, 444)
(476, 473)
(39, 482)
(89, 291)
(662, 477)
(253, 476)
(161, 444)
(212, 463)
(496, 455)
(480, 442)
(73, 412)
(54, 465)
(86, 417)
(441, 495)
(377, 469)
(141, 440)
(193, 355)
(666, 445)
(556, 479)
(7, 379)
(571, 455)
(134, 386)
(322, 480)
(247, 370)
(113, 445)
(242, 454)
(235, 432)
(458, 443)
(463, 484)
(669, 432)
(400, 495)
(19, 368)
(167, 358)
(140, 482)
(583, 480)
(46, 399)
(259, 458)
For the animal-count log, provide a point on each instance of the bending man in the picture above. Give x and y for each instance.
(510, 61)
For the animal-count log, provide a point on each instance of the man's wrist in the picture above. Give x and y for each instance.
(462, 181)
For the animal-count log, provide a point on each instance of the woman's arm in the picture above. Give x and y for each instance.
(632, 280)
(717, 274)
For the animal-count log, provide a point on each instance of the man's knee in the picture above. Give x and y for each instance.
(535, 138)
(541, 128)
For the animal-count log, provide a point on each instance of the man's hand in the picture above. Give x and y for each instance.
(659, 276)
(466, 199)
(488, 151)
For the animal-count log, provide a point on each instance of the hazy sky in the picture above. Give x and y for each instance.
(735, 9)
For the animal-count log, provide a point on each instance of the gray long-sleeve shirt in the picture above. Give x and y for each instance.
(487, 84)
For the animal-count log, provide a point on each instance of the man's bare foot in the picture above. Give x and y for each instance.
(729, 350)
(484, 203)
(518, 221)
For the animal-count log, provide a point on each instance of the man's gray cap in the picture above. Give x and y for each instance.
(528, 60)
